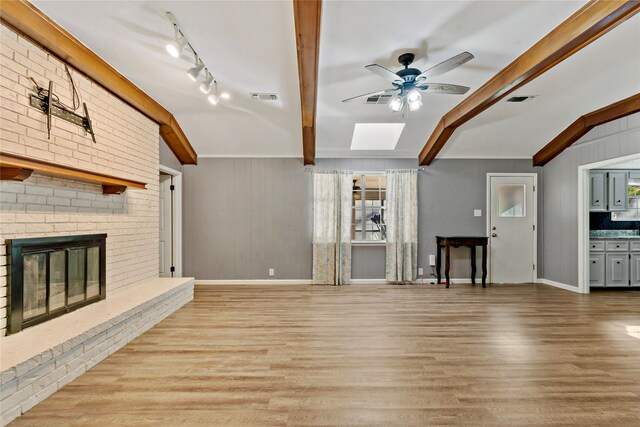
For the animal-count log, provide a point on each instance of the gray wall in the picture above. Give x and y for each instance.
(244, 216)
(167, 158)
(448, 192)
(560, 187)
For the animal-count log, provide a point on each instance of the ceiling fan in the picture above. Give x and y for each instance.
(408, 82)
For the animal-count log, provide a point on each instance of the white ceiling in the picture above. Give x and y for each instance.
(249, 45)
(355, 34)
(606, 71)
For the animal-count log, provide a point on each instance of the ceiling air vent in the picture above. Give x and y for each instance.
(378, 99)
(520, 98)
(264, 96)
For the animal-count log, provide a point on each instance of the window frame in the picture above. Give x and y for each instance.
(360, 205)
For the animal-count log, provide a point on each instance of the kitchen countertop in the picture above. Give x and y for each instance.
(614, 238)
(614, 235)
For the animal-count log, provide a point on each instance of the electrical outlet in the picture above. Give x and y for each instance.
(477, 212)
(272, 272)
(420, 271)
(432, 260)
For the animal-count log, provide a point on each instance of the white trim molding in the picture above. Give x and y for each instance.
(561, 286)
(583, 215)
(254, 282)
(177, 218)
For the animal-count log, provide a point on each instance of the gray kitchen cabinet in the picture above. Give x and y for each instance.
(617, 269)
(617, 191)
(635, 269)
(597, 202)
(596, 269)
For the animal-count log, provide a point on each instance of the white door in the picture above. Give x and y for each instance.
(165, 226)
(511, 229)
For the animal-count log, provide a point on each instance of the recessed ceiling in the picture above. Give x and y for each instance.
(249, 45)
(355, 34)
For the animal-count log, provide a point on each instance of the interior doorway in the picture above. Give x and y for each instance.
(584, 206)
(511, 227)
(170, 229)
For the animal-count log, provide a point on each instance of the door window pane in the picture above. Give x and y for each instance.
(93, 272)
(34, 294)
(56, 280)
(511, 200)
(76, 275)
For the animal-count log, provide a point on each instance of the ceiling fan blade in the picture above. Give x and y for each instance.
(379, 92)
(384, 73)
(446, 66)
(444, 88)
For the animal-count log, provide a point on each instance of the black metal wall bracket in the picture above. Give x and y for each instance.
(43, 102)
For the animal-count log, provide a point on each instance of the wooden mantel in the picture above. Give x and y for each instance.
(18, 168)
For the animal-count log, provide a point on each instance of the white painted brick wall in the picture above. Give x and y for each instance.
(127, 146)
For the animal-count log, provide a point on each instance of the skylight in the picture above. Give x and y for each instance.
(376, 136)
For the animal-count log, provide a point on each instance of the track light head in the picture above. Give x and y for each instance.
(207, 84)
(174, 48)
(214, 99)
(194, 72)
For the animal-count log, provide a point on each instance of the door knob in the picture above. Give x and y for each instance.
(494, 235)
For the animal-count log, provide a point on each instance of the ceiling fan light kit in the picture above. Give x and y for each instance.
(175, 48)
(408, 82)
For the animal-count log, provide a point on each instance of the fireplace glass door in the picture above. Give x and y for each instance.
(50, 279)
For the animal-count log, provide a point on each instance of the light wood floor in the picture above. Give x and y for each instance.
(371, 355)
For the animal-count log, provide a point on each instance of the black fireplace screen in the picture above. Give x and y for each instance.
(54, 275)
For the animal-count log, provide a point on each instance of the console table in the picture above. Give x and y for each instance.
(470, 242)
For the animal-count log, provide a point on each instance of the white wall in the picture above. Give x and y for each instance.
(127, 146)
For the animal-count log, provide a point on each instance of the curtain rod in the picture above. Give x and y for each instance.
(361, 172)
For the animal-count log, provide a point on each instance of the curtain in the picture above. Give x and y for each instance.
(332, 228)
(402, 225)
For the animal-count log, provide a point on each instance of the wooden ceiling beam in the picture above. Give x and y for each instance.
(307, 14)
(32, 23)
(583, 27)
(584, 124)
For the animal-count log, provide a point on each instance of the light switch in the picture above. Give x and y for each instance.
(477, 212)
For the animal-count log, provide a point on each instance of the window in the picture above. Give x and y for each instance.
(633, 207)
(368, 208)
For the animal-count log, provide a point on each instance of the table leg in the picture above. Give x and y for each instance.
(446, 263)
(438, 263)
(484, 266)
(473, 265)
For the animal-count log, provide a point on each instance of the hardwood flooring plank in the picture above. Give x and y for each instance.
(369, 355)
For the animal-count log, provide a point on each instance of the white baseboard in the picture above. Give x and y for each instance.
(559, 285)
(419, 281)
(255, 282)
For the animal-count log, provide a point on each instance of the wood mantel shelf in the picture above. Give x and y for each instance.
(18, 168)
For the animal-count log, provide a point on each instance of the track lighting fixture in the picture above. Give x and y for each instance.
(194, 72)
(207, 84)
(175, 48)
